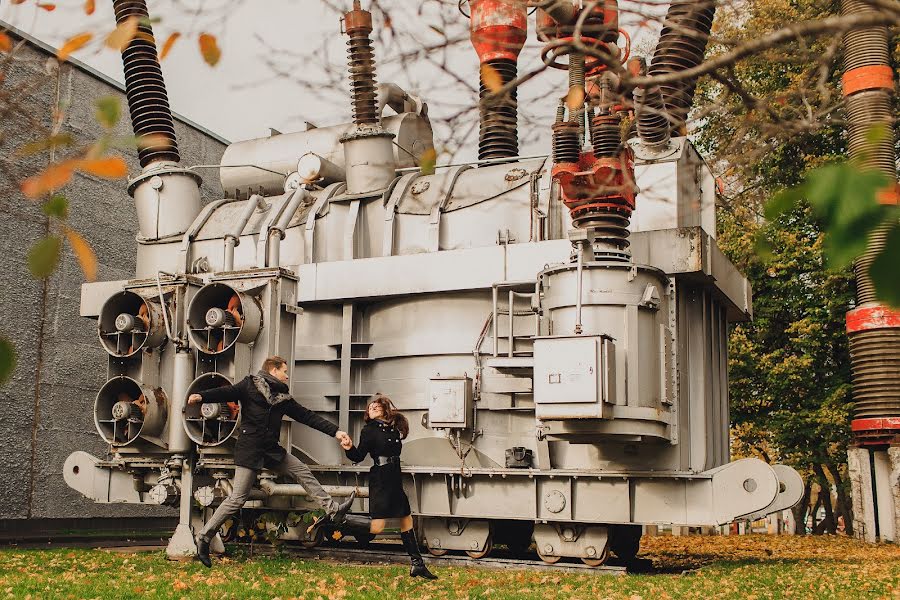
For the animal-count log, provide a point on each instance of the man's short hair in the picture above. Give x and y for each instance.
(273, 363)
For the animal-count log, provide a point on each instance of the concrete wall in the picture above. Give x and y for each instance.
(46, 409)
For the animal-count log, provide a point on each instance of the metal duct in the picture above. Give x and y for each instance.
(145, 88)
(873, 329)
(681, 46)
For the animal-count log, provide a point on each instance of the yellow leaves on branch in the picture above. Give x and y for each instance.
(123, 34)
(83, 252)
(167, 46)
(56, 176)
(76, 42)
(209, 48)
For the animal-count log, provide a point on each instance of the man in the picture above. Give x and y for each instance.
(264, 400)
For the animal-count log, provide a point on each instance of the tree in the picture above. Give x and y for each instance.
(768, 123)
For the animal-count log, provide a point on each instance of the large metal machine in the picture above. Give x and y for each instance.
(554, 328)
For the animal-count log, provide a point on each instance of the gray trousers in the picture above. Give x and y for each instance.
(244, 479)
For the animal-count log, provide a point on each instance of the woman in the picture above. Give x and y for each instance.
(381, 437)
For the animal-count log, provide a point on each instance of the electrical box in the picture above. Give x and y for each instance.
(574, 377)
(449, 402)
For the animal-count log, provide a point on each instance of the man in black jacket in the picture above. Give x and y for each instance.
(264, 400)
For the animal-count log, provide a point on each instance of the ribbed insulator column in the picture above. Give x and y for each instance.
(498, 135)
(873, 329)
(653, 126)
(681, 46)
(606, 136)
(363, 95)
(148, 102)
(876, 373)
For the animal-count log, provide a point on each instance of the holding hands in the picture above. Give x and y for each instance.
(344, 439)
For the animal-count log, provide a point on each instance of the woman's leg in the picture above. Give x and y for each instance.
(377, 526)
(406, 523)
(411, 545)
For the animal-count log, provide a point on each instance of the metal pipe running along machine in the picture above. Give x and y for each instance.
(554, 328)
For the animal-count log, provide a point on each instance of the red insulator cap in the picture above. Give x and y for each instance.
(874, 316)
(498, 28)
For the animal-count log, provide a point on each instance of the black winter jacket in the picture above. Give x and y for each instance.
(257, 446)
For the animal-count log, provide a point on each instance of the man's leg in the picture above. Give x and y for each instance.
(244, 479)
(297, 469)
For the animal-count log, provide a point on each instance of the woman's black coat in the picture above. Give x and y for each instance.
(386, 496)
(258, 446)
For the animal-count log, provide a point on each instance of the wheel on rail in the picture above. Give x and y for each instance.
(488, 546)
(549, 559)
(596, 562)
(437, 551)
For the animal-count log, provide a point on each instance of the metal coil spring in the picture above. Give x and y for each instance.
(864, 47)
(876, 373)
(681, 46)
(610, 225)
(498, 135)
(363, 96)
(145, 88)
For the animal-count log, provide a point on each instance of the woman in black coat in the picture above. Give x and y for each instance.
(381, 438)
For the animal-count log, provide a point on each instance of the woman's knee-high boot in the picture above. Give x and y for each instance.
(356, 525)
(411, 546)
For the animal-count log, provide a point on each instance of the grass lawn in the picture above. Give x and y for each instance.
(746, 567)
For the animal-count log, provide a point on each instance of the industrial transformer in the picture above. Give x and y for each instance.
(555, 327)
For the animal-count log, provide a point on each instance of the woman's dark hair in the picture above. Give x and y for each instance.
(390, 414)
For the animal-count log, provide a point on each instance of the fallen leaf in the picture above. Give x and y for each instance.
(167, 46)
(83, 252)
(89, 7)
(209, 48)
(72, 44)
(46, 6)
(123, 34)
(5, 42)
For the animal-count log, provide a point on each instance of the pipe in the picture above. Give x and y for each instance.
(579, 276)
(873, 328)
(391, 94)
(262, 254)
(271, 488)
(276, 233)
(178, 440)
(145, 87)
(681, 46)
(233, 237)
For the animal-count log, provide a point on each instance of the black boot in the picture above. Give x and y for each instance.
(203, 551)
(338, 517)
(357, 526)
(418, 568)
(335, 518)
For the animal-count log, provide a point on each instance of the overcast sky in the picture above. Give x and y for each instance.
(241, 97)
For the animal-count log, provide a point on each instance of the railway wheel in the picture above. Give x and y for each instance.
(488, 546)
(437, 551)
(549, 559)
(596, 562)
